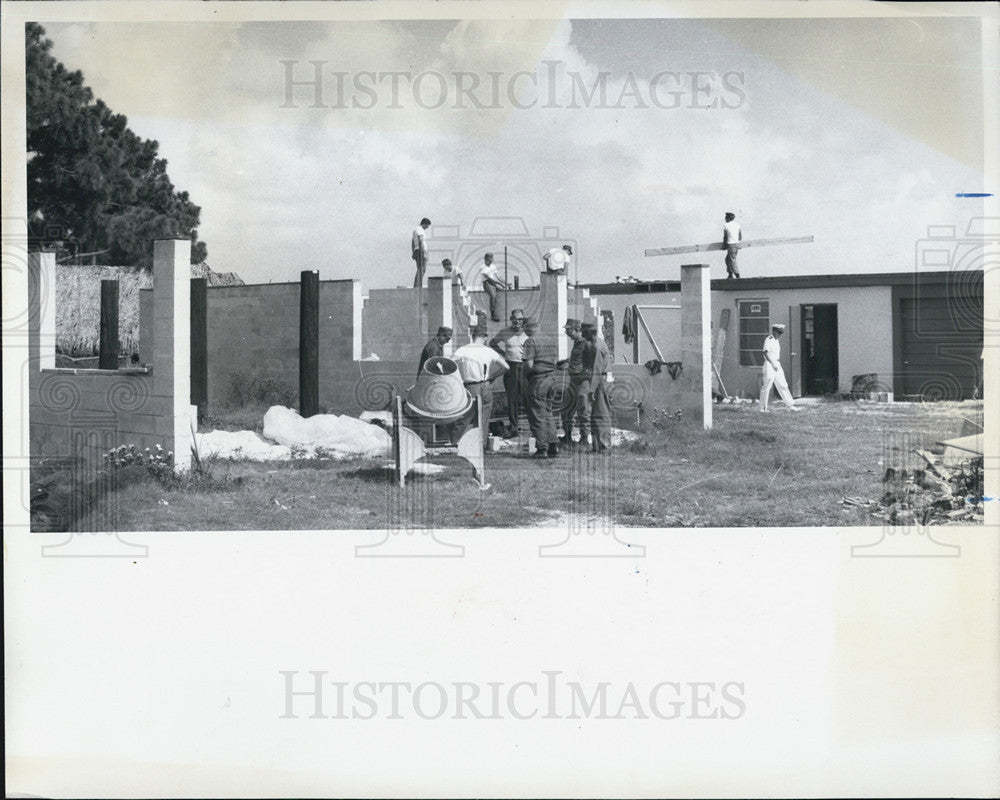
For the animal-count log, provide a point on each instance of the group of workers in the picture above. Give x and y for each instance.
(549, 391)
(555, 260)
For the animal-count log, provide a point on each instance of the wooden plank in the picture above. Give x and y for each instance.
(652, 341)
(701, 248)
(108, 352)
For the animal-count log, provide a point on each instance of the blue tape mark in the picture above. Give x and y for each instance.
(974, 194)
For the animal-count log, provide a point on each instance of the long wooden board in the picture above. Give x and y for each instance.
(701, 248)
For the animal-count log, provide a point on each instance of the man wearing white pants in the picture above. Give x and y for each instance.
(774, 375)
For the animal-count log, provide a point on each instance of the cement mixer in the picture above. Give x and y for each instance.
(438, 400)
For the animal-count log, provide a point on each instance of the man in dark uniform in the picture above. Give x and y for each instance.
(435, 347)
(598, 359)
(577, 403)
(543, 388)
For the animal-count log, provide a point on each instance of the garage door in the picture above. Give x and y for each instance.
(941, 348)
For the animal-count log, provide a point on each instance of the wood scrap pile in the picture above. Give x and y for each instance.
(938, 495)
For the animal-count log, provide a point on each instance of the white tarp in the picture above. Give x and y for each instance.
(341, 436)
(285, 431)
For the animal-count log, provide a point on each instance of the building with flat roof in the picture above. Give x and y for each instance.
(918, 334)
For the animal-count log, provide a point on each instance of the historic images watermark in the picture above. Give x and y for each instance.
(316, 694)
(319, 84)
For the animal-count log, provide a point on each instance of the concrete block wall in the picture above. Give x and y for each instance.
(394, 323)
(252, 331)
(83, 413)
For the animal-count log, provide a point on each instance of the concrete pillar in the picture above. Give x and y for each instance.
(439, 307)
(172, 335)
(41, 311)
(554, 307)
(695, 380)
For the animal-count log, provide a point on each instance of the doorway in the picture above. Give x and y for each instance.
(820, 368)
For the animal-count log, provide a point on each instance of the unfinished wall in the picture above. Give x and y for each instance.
(83, 413)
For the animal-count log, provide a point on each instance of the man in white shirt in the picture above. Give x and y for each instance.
(731, 234)
(492, 284)
(509, 343)
(455, 271)
(558, 260)
(418, 248)
(774, 375)
(478, 365)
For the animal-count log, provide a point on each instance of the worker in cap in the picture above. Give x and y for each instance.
(544, 389)
(731, 235)
(558, 258)
(575, 403)
(418, 248)
(435, 347)
(478, 365)
(772, 372)
(596, 363)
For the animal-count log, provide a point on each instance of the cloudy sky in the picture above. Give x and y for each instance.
(858, 132)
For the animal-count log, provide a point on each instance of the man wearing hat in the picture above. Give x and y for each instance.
(557, 260)
(544, 386)
(774, 375)
(597, 361)
(478, 365)
(577, 402)
(435, 347)
(731, 234)
(418, 248)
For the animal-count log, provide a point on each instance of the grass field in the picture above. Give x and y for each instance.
(751, 469)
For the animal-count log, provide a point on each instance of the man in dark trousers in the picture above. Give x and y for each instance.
(418, 248)
(540, 359)
(435, 347)
(509, 343)
(577, 402)
(731, 235)
(596, 363)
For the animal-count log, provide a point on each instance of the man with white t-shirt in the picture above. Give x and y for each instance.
(731, 235)
(478, 365)
(418, 248)
(558, 259)
(492, 284)
(773, 373)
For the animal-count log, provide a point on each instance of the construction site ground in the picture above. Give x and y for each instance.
(833, 463)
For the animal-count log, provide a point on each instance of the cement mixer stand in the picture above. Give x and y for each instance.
(408, 447)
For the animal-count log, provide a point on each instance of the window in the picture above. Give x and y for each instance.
(755, 324)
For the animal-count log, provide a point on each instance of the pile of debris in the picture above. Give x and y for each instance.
(938, 495)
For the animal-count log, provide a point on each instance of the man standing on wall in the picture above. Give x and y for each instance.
(418, 247)
(435, 347)
(509, 343)
(478, 365)
(731, 234)
(491, 285)
(774, 375)
(596, 363)
(577, 403)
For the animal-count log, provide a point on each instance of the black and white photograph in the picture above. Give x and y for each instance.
(620, 373)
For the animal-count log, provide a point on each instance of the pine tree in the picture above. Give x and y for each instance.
(94, 187)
